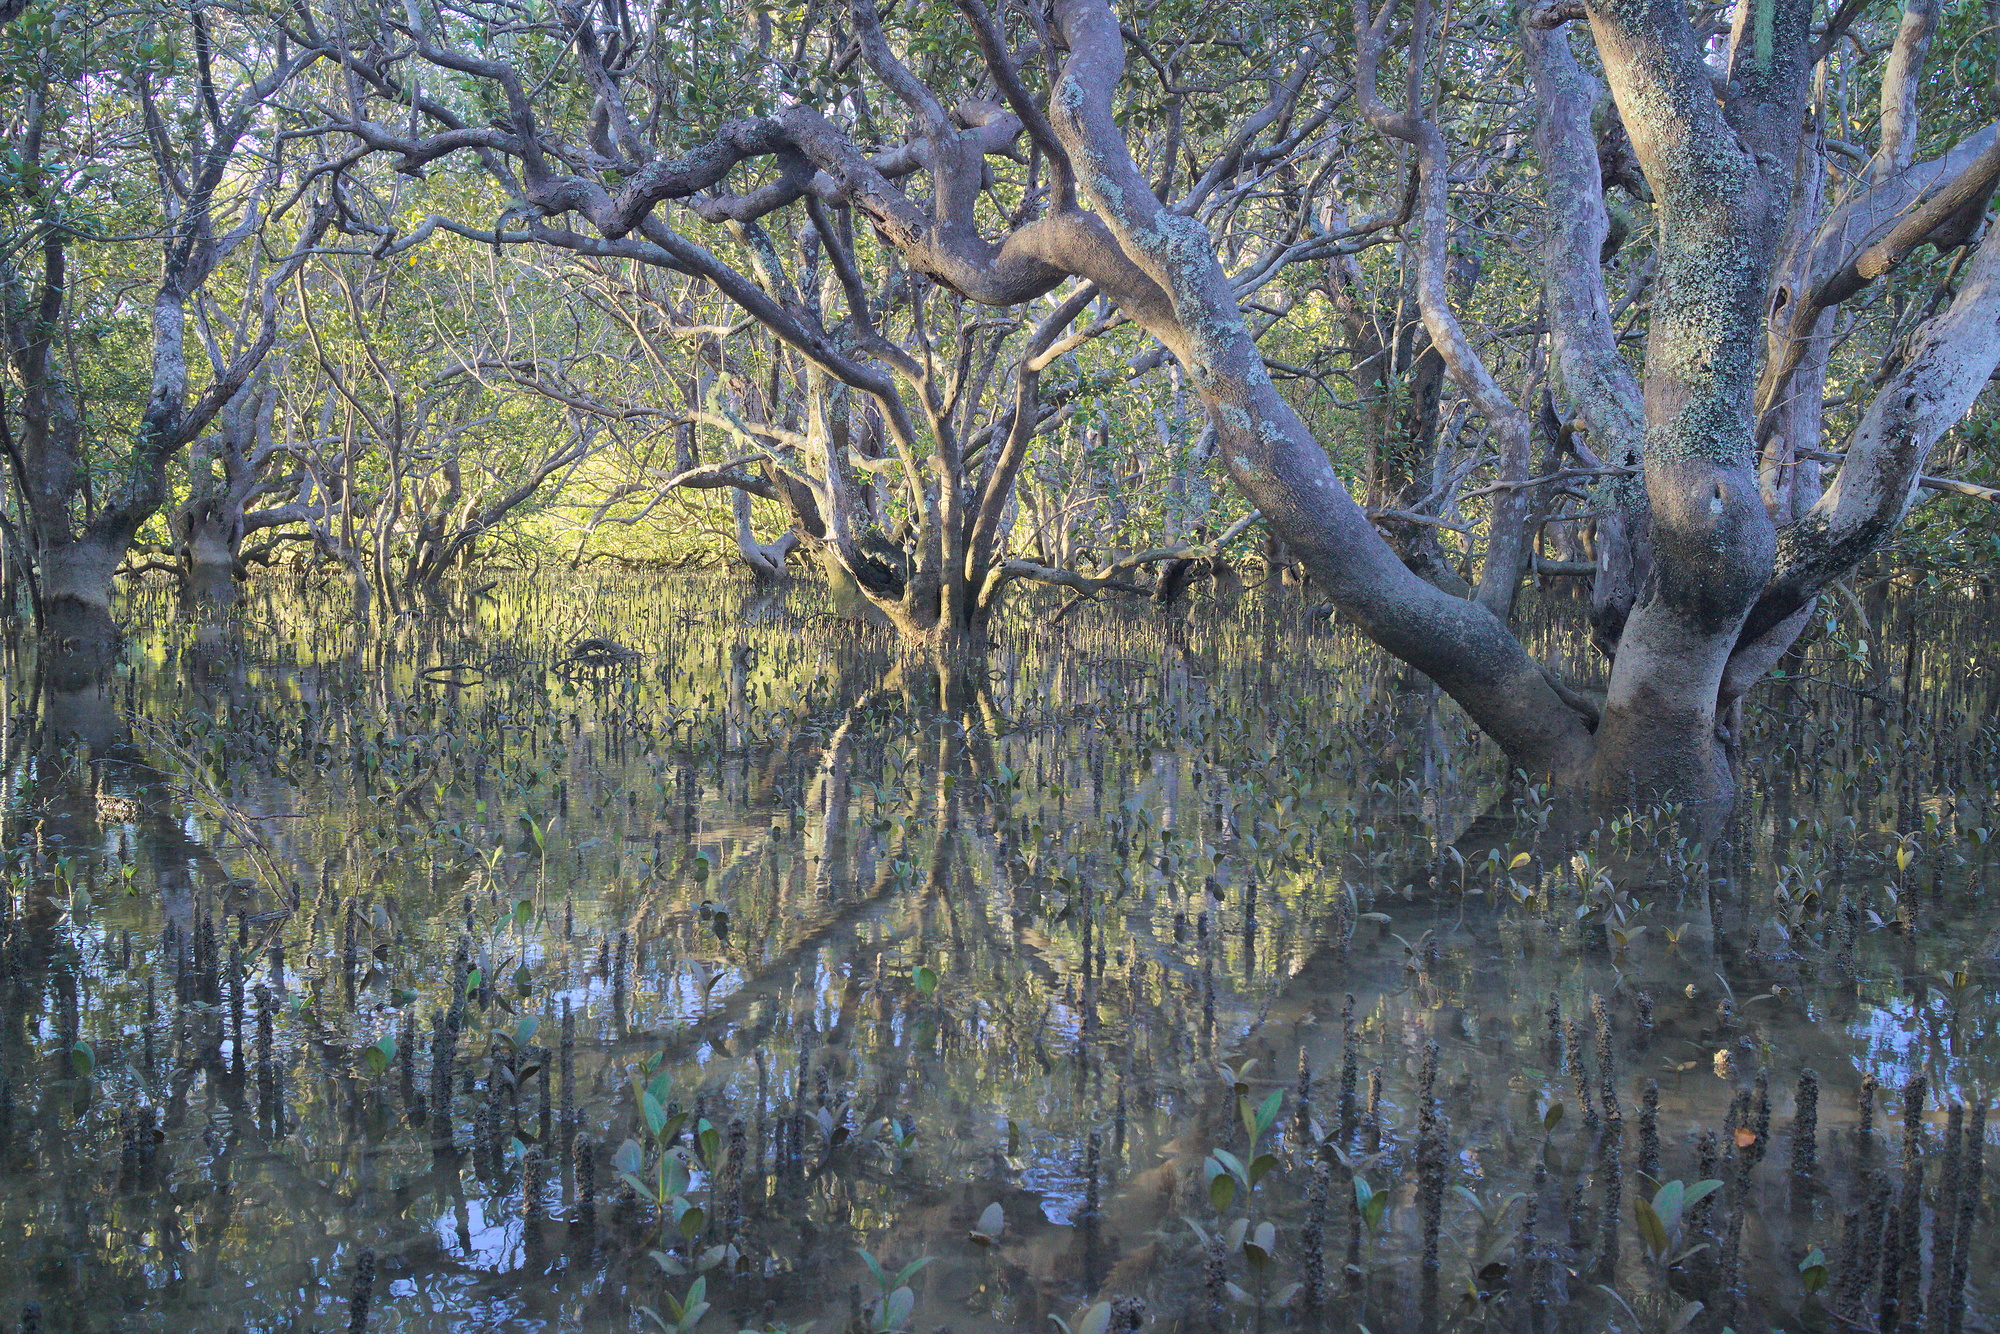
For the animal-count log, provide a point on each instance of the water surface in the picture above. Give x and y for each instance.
(905, 950)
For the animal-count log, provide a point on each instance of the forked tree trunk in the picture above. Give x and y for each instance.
(210, 558)
(765, 559)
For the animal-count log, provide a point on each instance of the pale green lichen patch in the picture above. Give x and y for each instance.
(1701, 363)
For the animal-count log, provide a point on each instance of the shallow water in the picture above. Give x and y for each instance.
(911, 951)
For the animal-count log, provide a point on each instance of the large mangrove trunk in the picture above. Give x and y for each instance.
(75, 586)
(210, 560)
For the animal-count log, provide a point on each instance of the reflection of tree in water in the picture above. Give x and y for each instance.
(1125, 867)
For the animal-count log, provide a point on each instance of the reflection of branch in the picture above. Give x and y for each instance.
(190, 773)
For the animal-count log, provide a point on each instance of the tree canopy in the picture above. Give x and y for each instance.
(1682, 305)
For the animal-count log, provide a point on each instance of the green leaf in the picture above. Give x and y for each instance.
(629, 1157)
(1668, 1202)
(1267, 1114)
(1259, 1165)
(1221, 1190)
(1685, 1317)
(881, 1279)
(1094, 1321)
(1698, 1192)
(1652, 1230)
(1812, 1270)
(897, 1309)
(1261, 1243)
(656, 1115)
(82, 1059)
(926, 979)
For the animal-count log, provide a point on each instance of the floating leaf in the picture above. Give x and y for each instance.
(992, 1223)
(377, 1056)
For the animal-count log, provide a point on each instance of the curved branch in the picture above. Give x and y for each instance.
(1954, 355)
